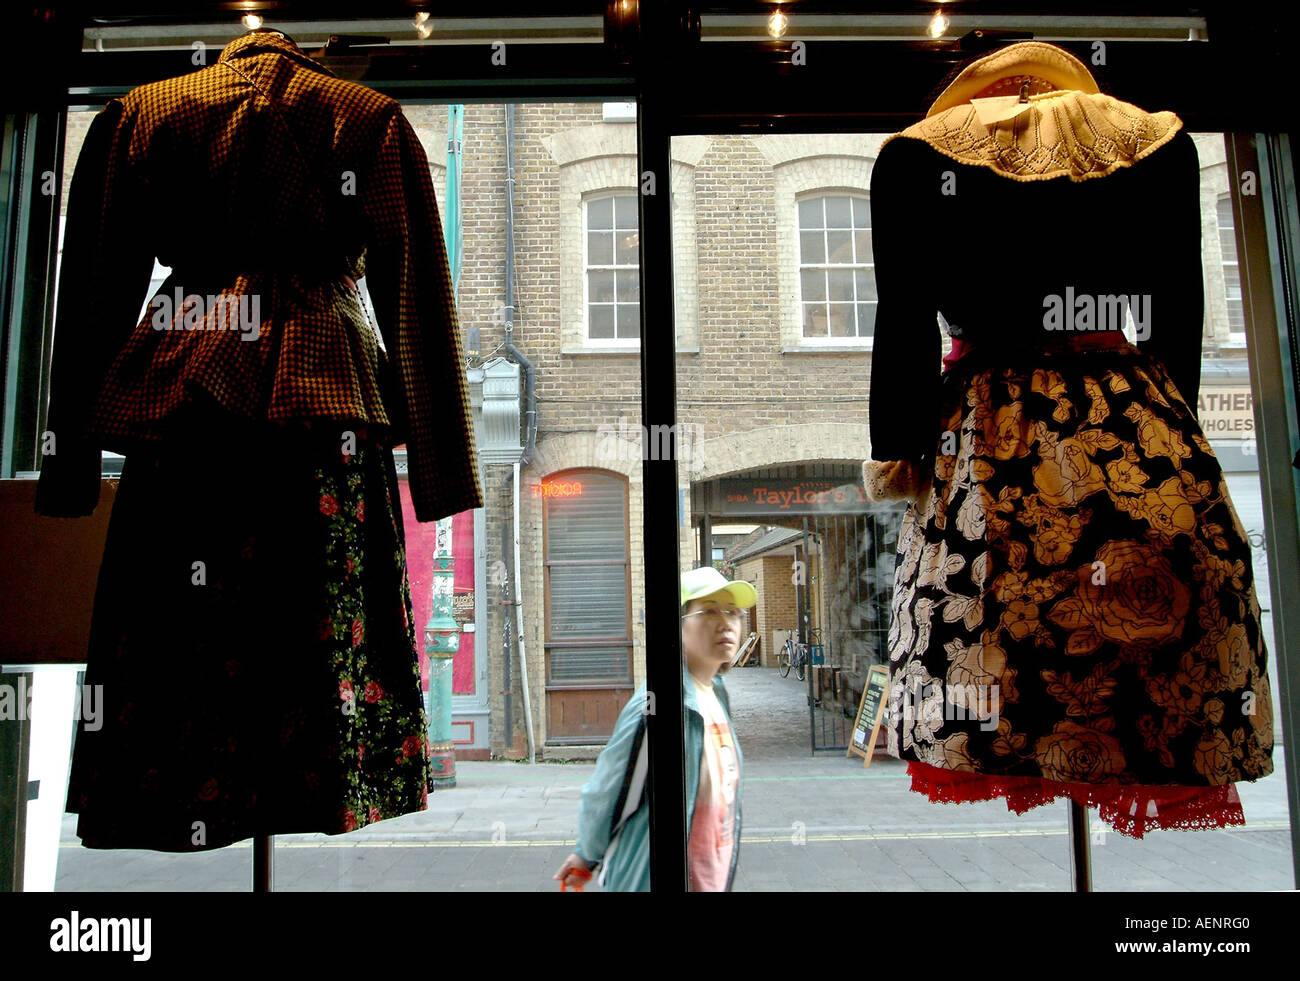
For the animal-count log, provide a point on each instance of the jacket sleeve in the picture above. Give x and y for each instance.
(1176, 313)
(103, 279)
(600, 793)
(411, 289)
(905, 354)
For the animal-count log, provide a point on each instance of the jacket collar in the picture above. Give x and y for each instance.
(260, 42)
(1064, 133)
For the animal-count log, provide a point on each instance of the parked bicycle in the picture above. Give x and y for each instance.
(793, 655)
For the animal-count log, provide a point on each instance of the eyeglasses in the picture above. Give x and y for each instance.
(729, 612)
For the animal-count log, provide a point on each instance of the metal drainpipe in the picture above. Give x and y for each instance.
(530, 403)
(530, 394)
(519, 632)
(506, 590)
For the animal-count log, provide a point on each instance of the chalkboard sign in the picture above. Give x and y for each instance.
(866, 724)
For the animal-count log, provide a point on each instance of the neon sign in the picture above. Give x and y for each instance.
(558, 488)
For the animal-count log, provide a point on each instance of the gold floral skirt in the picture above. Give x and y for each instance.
(1074, 612)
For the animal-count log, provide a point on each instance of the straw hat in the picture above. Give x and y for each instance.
(1034, 58)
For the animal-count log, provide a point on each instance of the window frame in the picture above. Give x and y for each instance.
(1235, 337)
(823, 95)
(607, 194)
(864, 341)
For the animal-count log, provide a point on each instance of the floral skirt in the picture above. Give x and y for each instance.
(1074, 611)
(254, 639)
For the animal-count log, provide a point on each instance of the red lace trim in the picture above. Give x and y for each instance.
(1131, 809)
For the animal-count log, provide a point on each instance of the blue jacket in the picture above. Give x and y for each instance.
(629, 867)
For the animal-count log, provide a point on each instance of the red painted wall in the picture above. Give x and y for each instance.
(421, 542)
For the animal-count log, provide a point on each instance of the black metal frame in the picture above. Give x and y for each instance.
(1235, 81)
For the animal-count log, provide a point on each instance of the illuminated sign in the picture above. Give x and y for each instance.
(558, 488)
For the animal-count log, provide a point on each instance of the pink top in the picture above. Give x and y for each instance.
(712, 841)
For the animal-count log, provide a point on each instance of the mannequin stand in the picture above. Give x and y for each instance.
(262, 862)
(1080, 849)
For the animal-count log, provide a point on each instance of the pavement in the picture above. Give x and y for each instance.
(812, 822)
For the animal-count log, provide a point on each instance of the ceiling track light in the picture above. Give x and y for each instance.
(777, 23)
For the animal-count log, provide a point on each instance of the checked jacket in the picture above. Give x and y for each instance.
(262, 175)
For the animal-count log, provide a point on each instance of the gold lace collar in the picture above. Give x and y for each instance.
(1067, 132)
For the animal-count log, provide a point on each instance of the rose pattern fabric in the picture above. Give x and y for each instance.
(382, 740)
(1074, 604)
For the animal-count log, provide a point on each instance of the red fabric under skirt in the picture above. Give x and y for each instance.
(1131, 809)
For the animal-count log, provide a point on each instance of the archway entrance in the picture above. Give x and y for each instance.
(822, 558)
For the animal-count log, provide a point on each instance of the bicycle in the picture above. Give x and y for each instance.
(793, 656)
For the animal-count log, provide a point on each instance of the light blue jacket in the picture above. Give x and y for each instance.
(629, 867)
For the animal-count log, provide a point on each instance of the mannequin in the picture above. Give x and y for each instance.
(1074, 611)
(252, 627)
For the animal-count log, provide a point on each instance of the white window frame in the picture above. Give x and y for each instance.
(820, 194)
(631, 343)
(1235, 337)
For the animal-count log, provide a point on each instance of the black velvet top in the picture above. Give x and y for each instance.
(987, 250)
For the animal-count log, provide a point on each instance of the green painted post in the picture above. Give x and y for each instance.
(441, 641)
(452, 224)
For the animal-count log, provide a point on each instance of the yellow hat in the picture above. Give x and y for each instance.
(706, 580)
(1037, 58)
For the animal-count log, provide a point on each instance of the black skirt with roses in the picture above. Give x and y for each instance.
(254, 637)
(1074, 610)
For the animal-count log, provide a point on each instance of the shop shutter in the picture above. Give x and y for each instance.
(586, 542)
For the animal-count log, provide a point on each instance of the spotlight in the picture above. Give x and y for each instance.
(777, 23)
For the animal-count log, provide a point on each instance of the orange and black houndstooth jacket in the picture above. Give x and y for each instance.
(268, 185)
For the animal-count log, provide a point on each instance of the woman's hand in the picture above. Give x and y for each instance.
(573, 864)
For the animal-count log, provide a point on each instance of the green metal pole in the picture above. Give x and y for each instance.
(441, 641)
(452, 222)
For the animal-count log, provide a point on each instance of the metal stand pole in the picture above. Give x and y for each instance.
(15, 753)
(441, 642)
(802, 601)
(1080, 850)
(262, 861)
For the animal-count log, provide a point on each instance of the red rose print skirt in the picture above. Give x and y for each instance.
(254, 637)
(1074, 611)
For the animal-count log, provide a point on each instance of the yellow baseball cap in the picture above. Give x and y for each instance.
(706, 580)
